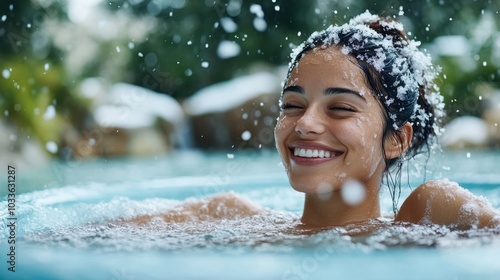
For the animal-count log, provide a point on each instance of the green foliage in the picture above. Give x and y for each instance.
(27, 94)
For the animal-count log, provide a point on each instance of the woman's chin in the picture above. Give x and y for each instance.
(313, 188)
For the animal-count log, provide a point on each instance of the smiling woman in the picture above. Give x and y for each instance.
(358, 101)
(327, 108)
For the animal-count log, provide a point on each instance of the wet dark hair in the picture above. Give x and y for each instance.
(399, 75)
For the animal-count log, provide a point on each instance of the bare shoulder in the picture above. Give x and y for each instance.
(446, 203)
(220, 206)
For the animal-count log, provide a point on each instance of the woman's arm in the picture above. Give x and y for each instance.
(220, 206)
(446, 203)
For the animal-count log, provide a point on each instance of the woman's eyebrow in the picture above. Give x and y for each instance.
(297, 89)
(328, 91)
(339, 90)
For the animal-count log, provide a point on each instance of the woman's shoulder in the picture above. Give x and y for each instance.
(446, 203)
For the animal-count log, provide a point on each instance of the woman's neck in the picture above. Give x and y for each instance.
(331, 210)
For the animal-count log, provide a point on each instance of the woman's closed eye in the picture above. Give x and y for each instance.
(287, 106)
(343, 108)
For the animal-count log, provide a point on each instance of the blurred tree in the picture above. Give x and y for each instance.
(35, 94)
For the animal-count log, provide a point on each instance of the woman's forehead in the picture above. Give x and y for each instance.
(327, 65)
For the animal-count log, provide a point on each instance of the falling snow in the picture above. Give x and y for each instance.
(5, 73)
(228, 49)
(246, 135)
(51, 147)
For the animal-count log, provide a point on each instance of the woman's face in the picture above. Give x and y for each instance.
(330, 127)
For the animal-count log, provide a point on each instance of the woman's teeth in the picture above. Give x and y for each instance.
(308, 153)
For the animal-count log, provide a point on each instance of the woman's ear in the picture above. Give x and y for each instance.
(398, 142)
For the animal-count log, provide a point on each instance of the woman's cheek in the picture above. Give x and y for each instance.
(280, 132)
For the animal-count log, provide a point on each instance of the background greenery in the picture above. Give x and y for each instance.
(164, 45)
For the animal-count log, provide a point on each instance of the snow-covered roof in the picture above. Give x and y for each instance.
(130, 106)
(451, 45)
(468, 129)
(230, 94)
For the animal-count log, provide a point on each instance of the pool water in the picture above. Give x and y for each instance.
(70, 224)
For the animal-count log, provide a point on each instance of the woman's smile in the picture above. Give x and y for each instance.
(306, 153)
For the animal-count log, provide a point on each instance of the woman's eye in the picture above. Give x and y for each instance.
(343, 108)
(286, 106)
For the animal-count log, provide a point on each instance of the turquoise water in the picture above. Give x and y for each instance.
(69, 224)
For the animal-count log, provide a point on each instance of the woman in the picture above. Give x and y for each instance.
(358, 100)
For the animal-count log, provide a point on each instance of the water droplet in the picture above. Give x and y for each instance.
(228, 49)
(151, 59)
(353, 192)
(50, 113)
(189, 43)
(277, 8)
(140, 54)
(6, 73)
(204, 64)
(468, 155)
(259, 24)
(485, 63)
(246, 135)
(228, 25)
(230, 156)
(131, 45)
(46, 66)
(4, 17)
(51, 147)
(117, 49)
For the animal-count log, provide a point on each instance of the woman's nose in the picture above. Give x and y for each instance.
(311, 123)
